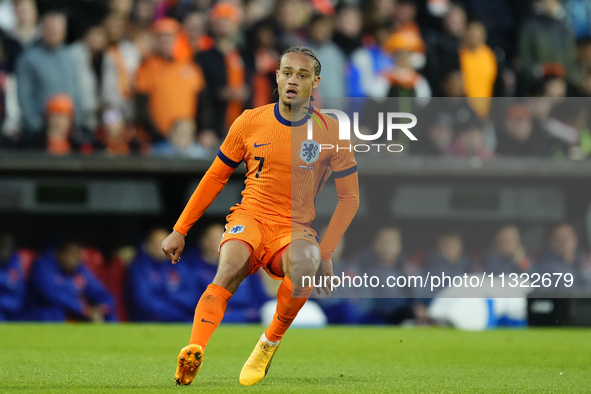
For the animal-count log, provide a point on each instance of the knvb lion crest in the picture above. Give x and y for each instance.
(310, 151)
(237, 229)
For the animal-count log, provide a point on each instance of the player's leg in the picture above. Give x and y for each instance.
(300, 259)
(234, 266)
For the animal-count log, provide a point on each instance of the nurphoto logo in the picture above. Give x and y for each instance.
(345, 130)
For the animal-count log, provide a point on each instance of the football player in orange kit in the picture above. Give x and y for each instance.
(272, 226)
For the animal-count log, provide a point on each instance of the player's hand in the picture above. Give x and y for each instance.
(173, 246)
(325, 269)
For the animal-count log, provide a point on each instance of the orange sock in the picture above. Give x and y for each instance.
(209, 314)
(287, 309)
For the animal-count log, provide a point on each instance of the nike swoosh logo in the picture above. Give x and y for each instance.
(280, 319)
(207, 321)
(258, 146)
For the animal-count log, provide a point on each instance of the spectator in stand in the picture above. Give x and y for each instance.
(470, 142)
(80, 14)
(404, 80)
(479, 68)
(348, 25)
(584, 53)
(449, 256)
(377, 12)
(9, 51)
(564, 256)
(58, 133)
(89, 55)
(158, 290)
(44, 70)
(167, 89)
(442, 47)
(114, 135)
(365, 73)
(256, 11)
(405, 13)
(341, 310)
(569, 135)
(193, 38)
(12, 279)
(517, 134)
(291, 17)
(263, 58)
(120, 67)
(121, 8)
(320, 41)
(181, 142)
(444, 119)
(584, 62)
(440, 136)
(508, 254)
(553, 83)
(546, 38)
(385, 258)
(26, 31)
(224, 69)
(500, 19)
(245, 305)
(64, 289)
(578, 13)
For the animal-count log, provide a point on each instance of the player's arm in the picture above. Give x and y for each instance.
(229, 157)
(348, 194)
(210, 186)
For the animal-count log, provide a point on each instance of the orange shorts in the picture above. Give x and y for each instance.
(266, 239)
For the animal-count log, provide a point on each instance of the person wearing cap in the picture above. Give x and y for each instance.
(43, 71)
(59, 113)
(404, 80)
(517, 134)
(167, 88)
(224, 68)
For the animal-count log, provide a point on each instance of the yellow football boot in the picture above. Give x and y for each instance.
(189, 364)
(257, 365)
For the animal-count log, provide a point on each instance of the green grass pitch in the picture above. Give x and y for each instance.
(81, 358)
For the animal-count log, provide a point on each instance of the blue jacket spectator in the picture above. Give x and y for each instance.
(340, 309)
(565, 257)
(245, 304)
(508, 255)
(64, 289)
(12, 280)
(384, 259)
(364, 72)
(43, 71)
(157, 290)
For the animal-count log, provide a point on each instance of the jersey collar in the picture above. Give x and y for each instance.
(289, 123)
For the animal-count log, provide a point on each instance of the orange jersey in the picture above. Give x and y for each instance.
(172, 87)
(285, 170)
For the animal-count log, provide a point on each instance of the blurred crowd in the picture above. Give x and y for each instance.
(72, 282)
(168, 77)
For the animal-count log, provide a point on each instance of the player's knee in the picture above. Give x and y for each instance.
(304, 265)
(230, 275)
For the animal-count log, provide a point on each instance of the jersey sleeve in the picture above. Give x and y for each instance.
(348, 194)
(342, 160)
(228, 159)
(233, 148)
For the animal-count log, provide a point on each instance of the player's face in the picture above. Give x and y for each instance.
(296, 77)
